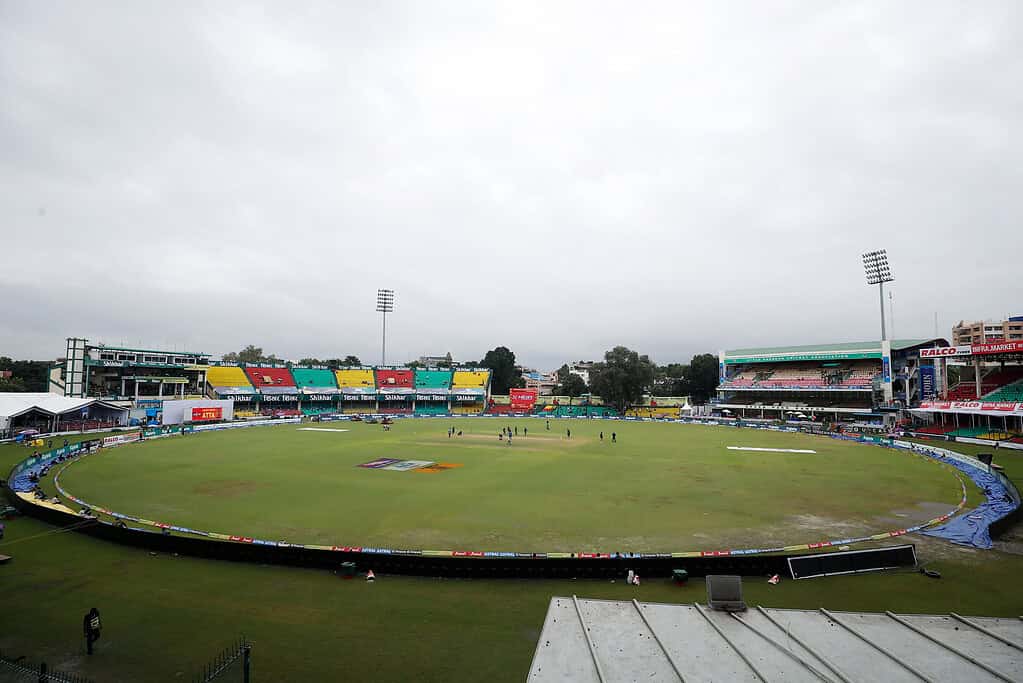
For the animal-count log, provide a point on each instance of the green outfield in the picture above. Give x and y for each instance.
(164, 615)
(661, 487)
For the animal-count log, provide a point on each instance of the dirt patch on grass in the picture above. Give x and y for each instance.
(921, 512)
(226, 488)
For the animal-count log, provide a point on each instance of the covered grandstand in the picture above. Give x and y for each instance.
(854, 381)
(285, 390)
(984, 404)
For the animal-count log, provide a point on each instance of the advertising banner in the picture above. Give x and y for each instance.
(522, 400)
(118, 439)
(928, 388)
(207, 414)
(975, 407)
(999, 347)
(945, 351)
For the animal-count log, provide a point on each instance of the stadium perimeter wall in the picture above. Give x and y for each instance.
(462, 564)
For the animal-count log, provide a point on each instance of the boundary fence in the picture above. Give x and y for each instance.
(464, 563)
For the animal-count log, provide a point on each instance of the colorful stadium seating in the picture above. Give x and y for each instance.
(307, 378)
(227, 376)
(990, 386)
(394, 379)
(270, 377)
(849, 376)
(355, 378)
(937, 430)
(1010, 392)
(470, 379)
(433, 379)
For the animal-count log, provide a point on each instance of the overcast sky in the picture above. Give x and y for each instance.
(555, 177)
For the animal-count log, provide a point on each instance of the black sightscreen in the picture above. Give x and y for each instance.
(852, 561)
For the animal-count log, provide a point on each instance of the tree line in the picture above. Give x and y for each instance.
(26, 375)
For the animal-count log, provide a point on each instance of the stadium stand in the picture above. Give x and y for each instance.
(399, 409)
(310, 378)
(670, 412)
(1009, 392)
(433, 379)
(467, 408)
(394, 379)
(858, 375)
(937, 430)
(424, 408)
(270, 377)
(470, 379)
(355, 378)
(227, 376)
(990, 383)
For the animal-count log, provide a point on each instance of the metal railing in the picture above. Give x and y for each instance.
(17, 669)
(233, 663)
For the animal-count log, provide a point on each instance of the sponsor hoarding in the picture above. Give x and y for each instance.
(999, 347)
(522, 400)
(928, 388)
(207, 414)
(943, 351)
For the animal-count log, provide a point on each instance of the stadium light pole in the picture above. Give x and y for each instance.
(875, 265)
(385, 305)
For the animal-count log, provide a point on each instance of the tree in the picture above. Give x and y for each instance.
(413, 364)
(447, 362)
(702, 377)
(26, 375)
(503, 373)
(622, 378)
(572, 386)
(351, 361)
(670, 380)
(311, 361)
(12, 384)
(251, 355)
(569, 383)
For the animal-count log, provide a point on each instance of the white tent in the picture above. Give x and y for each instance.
(17, 404)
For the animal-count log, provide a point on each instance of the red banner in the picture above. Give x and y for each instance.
(207, 414)
(999, 405)
(1000, 347)
(522, 400)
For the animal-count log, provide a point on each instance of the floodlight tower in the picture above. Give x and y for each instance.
(385, 305)
(875, 264)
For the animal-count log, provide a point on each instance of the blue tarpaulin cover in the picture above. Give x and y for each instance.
(971, 527)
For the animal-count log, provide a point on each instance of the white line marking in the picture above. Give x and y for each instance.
(772, 450)
(319, 429)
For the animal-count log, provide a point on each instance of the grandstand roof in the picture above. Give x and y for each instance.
(846, 350)
(897, 345)
(13, 404)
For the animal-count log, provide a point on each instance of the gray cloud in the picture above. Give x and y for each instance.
(555, 177)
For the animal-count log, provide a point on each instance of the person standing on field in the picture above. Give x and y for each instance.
(92, 627)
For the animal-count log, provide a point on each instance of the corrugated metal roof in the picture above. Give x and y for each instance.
(610, 641)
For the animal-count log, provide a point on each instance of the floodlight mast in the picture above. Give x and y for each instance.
(385, 305)
(875, 265)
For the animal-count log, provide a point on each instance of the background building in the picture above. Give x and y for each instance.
(982, 332)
